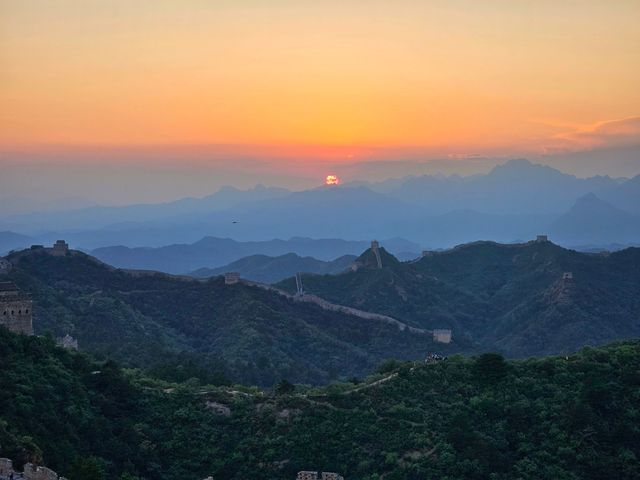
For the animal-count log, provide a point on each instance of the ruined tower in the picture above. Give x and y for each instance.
(15, 309)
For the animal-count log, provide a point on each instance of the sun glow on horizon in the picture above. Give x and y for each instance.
(332, 180)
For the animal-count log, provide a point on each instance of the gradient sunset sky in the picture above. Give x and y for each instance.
(307, 80)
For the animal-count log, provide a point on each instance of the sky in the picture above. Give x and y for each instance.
(140, 100)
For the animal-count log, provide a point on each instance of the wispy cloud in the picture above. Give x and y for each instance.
(611, 133)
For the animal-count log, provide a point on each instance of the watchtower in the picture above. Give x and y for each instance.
(442, 336)
(542, 239)
(15, 309)
(60, 248)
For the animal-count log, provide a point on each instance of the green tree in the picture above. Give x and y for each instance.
(285, 387)
(128, 476)
(88, 468)
(491, 366)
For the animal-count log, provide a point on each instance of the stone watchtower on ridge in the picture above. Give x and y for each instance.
(15, 309)
(59, 249)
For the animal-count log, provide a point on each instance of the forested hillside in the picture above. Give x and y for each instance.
(562, 418)
(240, 332)
(514, 299)
(510, 298)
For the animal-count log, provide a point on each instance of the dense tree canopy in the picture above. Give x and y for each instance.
(484, 417)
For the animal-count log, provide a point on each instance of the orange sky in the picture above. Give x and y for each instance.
(320, 77)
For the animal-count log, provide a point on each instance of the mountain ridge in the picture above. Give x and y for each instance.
(213, 252)
(514, 200)
(268, 269)
(591, 219)
(512, 298)
(247, 333)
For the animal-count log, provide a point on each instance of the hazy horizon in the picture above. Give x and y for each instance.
(131, 178)
(120, 102)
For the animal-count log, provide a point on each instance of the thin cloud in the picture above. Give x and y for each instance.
(613, 133)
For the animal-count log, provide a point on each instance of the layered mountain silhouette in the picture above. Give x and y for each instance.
(266, 269)
(626, 196)
(212, 252)
(516, 187)
(12, 241)
(514, 201)
(594, 221)
(102, 216)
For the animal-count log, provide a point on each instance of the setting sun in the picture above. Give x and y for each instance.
(331, 180)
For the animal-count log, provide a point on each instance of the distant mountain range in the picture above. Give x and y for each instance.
(102, 216)
(592, 220)
(517, 187)
(211, 252)
(265, 269)
(514, 201)
(13, 241)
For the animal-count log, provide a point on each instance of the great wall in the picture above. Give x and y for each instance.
(326, 305)
(438, 335)
(16, 310)
(35, 472)
(16, 307)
